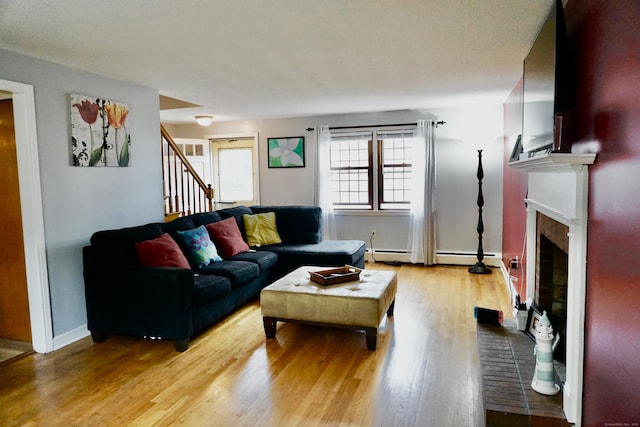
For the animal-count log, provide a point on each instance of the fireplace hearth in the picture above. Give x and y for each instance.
(507, 364)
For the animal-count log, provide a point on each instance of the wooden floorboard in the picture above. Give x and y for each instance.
(425, 371)
(11, 350)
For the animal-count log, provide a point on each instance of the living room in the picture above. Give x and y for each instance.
(605, 51)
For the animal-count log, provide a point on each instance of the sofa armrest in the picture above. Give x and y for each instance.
(140, 301)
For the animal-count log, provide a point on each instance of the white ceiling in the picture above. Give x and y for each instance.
(250, 59)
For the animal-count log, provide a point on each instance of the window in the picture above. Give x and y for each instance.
(368, 178)
(394, 171)
(351, 173)
(191, 149)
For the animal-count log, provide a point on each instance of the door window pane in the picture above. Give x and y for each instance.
(236, 174)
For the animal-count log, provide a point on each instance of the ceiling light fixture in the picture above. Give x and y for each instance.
(204, 120)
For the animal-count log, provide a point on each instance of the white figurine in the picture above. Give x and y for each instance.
(543, 377)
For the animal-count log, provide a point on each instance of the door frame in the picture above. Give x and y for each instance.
(24, 113)
(256, 148)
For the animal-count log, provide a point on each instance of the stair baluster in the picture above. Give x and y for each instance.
(184, 190)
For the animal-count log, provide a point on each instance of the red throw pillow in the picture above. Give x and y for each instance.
(227, 237)
(162, 251)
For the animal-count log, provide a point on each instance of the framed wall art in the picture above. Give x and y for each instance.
(99, 135)
(286, 152)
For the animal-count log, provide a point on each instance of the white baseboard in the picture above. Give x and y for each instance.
(70, 337)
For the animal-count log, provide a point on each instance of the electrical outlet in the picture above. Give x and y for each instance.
(373, 234)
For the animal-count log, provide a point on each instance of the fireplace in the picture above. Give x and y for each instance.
(557, 225)
(551, 267)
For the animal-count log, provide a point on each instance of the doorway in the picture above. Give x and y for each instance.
(15, 326)
(235, 170)
(197, 153)
(31, 214)
(14, 301)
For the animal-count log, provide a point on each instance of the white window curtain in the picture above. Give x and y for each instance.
(422, 238)
(322, 186)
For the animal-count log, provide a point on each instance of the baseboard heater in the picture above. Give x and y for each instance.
(474, 254)
(446, 258)
(386, 255)
(467, 258)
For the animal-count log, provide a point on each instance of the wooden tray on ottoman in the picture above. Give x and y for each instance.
(347, 273)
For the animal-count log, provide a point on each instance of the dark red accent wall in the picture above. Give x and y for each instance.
(514, 212)
(604, 40)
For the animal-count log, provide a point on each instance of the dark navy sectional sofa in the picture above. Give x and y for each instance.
(126, 298)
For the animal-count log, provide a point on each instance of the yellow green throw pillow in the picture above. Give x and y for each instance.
(261, 229)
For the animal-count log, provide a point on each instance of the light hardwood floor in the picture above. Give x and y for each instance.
(12, 349)
(424, 372)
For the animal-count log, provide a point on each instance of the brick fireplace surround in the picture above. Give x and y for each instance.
(552, 250)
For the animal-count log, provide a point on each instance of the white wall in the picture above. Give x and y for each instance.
(79, 201)
(467, 129)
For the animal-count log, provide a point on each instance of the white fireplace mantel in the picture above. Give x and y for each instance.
(558, 162)
(558, 188)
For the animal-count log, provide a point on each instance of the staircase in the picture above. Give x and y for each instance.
(184, 192)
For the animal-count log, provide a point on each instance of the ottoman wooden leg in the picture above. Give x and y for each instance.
(390, 309)
(372, 338)
(269, 326)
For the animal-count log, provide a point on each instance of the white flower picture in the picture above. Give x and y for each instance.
(286, 152)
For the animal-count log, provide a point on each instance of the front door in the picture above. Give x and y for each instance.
(235, 163)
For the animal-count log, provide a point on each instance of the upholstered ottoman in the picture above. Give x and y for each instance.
(357, 305)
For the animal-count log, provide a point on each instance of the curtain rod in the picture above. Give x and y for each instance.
(441, 122)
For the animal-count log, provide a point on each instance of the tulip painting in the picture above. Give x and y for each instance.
(99, 135)
(117, 115)
(286, 152)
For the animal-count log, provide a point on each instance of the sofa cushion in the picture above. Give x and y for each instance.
(261, 229)
(325, 253)
(296, 224)
(207, 287)
(238, 272)
(119, 246)
(264, 259)
(227, 238)
(236, 212)
(201, 250)
(162, 251)
(179, 224)
(204, 218)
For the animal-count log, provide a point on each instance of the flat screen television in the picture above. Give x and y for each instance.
(545, 88)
